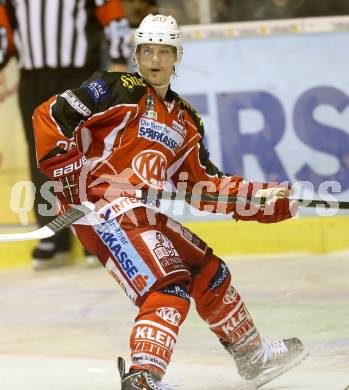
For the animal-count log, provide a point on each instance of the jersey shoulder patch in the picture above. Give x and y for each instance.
(110, 88)
(97, 87)
(132, 81)
(131, 87)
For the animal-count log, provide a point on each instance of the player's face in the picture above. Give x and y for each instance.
(156, 63)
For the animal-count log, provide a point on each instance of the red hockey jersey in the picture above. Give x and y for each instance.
(124, 128)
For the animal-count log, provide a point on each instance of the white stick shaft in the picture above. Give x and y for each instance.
(39, 234)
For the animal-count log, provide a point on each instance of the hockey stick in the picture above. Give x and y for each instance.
(197, 197)
(53, 227)
(189, 196)
(79, 211)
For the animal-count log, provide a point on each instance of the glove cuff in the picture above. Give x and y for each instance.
(63, 165)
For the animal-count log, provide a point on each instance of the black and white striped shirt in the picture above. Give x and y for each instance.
(67, 33)
(3, 44)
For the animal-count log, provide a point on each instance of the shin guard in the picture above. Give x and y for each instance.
(155, 332)
(220, 305)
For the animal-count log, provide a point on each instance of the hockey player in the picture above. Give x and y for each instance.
(133, 128)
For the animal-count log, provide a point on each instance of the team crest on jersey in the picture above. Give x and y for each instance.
(151, 167)
(158, 132)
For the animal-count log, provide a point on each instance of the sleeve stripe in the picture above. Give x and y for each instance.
(111, 10)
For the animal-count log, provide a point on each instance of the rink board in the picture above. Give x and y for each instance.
(317, 235)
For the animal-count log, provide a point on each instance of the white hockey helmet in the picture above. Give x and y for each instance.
(161, 30)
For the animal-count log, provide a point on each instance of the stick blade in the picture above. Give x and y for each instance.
(44, 232)
(63, 221)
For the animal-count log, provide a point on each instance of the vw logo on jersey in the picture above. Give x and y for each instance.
(151, 167)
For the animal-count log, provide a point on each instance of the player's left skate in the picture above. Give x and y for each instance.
(268, 361)
(138, 379)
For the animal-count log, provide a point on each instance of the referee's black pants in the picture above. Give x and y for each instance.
(35, 87)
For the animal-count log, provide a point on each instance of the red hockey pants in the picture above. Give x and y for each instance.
(160, 264)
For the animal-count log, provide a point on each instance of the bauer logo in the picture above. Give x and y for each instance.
(97, 90)
(70, 168)
(126, 257)
(169, 314)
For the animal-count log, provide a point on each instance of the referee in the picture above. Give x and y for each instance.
(58, 46)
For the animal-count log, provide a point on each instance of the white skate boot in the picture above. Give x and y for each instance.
(268, 361)
(137, 380)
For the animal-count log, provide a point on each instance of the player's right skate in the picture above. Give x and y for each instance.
(137, 380)
(268, 361)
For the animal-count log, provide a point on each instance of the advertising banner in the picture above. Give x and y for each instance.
(275, 108)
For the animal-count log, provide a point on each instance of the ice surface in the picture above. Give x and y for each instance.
(63, 329)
